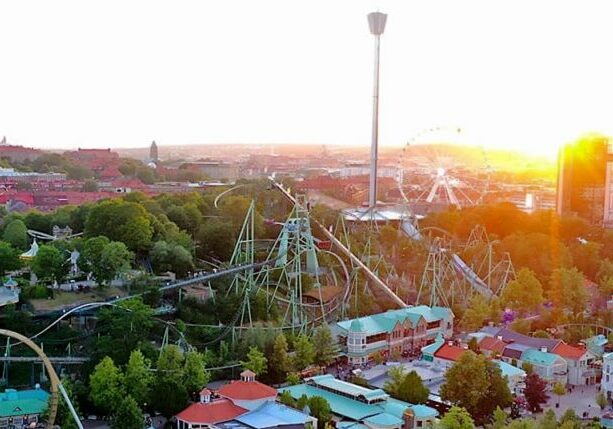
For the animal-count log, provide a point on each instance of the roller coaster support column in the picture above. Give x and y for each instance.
(244, 252)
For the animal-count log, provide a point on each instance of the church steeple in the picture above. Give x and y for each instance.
(153, 152)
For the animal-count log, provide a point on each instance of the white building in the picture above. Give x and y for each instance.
(607, 376)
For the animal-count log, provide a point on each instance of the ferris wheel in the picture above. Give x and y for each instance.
(434, 168)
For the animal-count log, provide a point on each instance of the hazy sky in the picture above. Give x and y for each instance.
(521, 74)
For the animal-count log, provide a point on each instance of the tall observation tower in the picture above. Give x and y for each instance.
(376, 22)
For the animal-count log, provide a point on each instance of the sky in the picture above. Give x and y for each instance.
(516, 74)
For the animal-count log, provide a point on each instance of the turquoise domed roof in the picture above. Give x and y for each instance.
(356, 326)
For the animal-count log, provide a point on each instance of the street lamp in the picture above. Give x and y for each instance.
(376, 22)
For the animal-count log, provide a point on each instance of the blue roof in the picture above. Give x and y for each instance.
(430, 349)
(351, 425)
(21, 402)
(356, 410)
(340, 405)
(271, 414)
(330, 382)
(423, 411)
(598, 340)
(538, 357)
(509, 370)
(384, 419)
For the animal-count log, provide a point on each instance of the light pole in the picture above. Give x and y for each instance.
(376, 22)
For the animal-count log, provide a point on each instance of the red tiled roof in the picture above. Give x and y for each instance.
(569, 352)
(448, 352)
(219, 410)
(492, 344)
(246, 390)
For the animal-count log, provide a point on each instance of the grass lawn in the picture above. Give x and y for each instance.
(70, 299)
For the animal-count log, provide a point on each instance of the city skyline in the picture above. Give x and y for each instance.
(518, 75)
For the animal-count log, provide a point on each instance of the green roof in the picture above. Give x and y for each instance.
(385, 322)
(538, 357)
(22, 402)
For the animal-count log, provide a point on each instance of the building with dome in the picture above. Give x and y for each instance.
(406, 330)
(244, 403)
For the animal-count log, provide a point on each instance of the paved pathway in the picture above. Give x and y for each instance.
(581, 399)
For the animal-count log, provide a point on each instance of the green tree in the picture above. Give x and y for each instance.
(256, 361)
(115, 259)
(473, 345)
(91, 253)
(524, 294)
(195, 377)
(16, 234)
(9, 258)
(548, 421)
(324, 345)
(50, 263)
(64, 418)
(559, 390)
(476, 313)
(500, 419)
(213, 238)
(170, 362)
(279, 362)
(489, 388)
(171, 257)
(586, 257)
(123, 221)
(286, 399)
(567, 290)
(412, 389)
(320, 409)
(457, 418)
(138, 377)
(293, 379)
(128, 415)
(396, 375)
(304, 353)
(106, 386)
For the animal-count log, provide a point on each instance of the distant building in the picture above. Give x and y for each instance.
(585, 179)
(22, 408)
(18, 153)
(153, 152)
(403, 330)
(30, 176)
(216, 170)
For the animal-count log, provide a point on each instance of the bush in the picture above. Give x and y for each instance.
(35, 292)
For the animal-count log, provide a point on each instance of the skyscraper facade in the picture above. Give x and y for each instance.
(585, 180)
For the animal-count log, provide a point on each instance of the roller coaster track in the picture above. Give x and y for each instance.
(461, 267)
(372, 276)
(606, 330)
